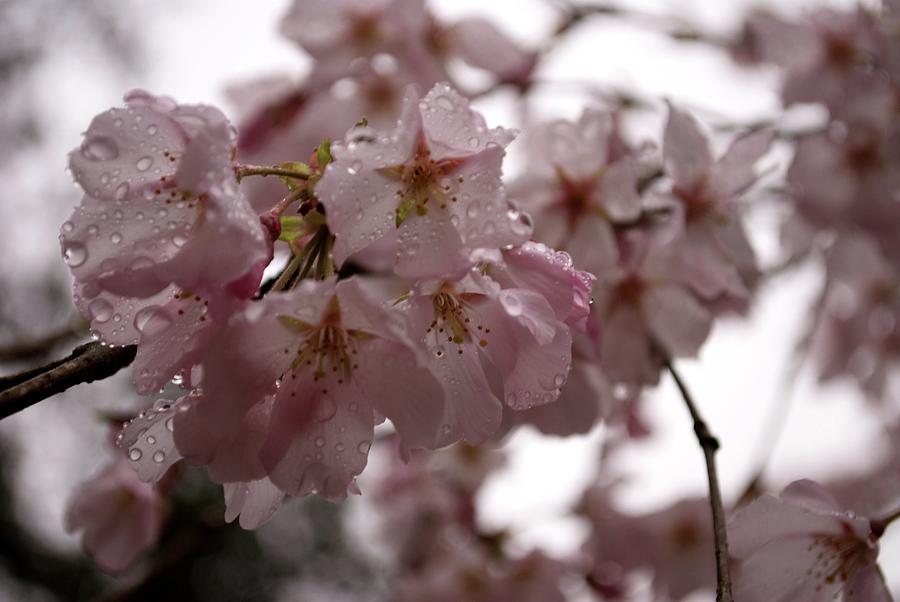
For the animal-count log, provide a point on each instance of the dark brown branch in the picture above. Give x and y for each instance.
(87, 363)
(710, 444)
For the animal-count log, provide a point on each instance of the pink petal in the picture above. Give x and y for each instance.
(686, 151)
(479, 43)
(148, 441)
(676, 319)
(453, 129)
(734, 172)
(318, 441)
(255, 502)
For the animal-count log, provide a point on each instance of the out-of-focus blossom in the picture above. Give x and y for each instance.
(578, 188)
(803, 545)
(716, 256)
(121, 516)
(433, 183)
(648, 313)
(675, 543)
(855, 330)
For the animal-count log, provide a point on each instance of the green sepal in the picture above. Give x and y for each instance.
(323, 154)
(301, 168)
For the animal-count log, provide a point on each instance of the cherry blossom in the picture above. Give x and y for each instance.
(717, 257)
(121, 516)
(162, 221)
(475, 328)
(804, 545)
(433, 184)
(314, 359)
(579, 187)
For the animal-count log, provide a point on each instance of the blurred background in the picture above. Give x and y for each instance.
(63, 61)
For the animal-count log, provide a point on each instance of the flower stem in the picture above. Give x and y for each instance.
(287, 201)
(709, 444)
(261, 170)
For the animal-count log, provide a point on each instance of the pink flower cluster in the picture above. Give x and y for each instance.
(844, 181)
(284, 391)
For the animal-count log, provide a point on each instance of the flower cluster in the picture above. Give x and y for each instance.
(284, 391)
(844, 181)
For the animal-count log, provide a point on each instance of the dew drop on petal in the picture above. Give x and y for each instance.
(99, 148)
(121, 191)
(325, 410)
(74, 253)
(152, 320)
(68, 227)
(159, 457)
(320, 442)
(144, 163)
(179, 239)
(115, 238)
(559, 380)
(100, 310)
(354, 167)
(363, 447)
(152, 129)
(134, 454)
(170, 424)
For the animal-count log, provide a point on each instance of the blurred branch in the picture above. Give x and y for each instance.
(27, 350)
(710, 444)
(87, 363)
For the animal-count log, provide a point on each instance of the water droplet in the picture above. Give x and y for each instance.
(320, 442)
(474, 141)
(559, 380)
(179, 239)
(152, 320)
(511, 303)
(144, 163)
(74, 253)
(151, 439)
(363, 447)
(170, 424)
(325, 410)
(115, 238)
(134, 454)
(68, 227)
(152, 129)
(445, 102)
(339, 447)
(159, 457)
(354, 167)
(121, 191)
(100, 310)
(99, 148)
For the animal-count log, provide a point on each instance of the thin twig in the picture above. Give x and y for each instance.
(87, 363)
(710, 444)
(261, 170)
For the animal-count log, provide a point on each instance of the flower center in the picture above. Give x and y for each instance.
(325, 349)
(452, 322)
(837, 558)
(422, 180)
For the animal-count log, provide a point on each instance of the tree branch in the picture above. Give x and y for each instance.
(710, 444)
(87, 363)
